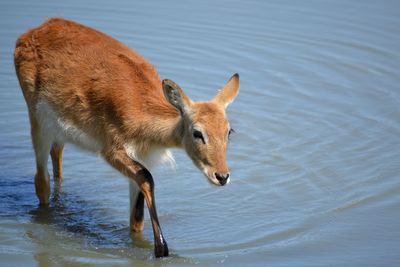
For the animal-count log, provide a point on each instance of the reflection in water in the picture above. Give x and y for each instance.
(67, 220)
(73, 215)
(314, 161)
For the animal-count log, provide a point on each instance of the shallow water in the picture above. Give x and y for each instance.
(315, 159)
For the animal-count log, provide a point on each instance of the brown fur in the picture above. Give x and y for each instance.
(100, 92)
(114, 96)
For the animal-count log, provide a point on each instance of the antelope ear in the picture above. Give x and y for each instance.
(175, 96)
(227, 94)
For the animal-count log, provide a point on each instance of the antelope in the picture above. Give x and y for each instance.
(84, 87)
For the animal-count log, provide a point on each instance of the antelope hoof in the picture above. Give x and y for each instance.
(161, 250)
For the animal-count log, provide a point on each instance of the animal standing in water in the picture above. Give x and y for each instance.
(84, 87)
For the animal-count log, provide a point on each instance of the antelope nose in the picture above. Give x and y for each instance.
(222, 178)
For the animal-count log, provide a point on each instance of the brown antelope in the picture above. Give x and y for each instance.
(84, 87)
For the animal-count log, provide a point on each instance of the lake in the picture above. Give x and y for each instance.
(315, 157)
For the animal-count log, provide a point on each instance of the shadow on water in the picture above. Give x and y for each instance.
(80, 233)
(74, 216)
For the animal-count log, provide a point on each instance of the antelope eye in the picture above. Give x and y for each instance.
(198, 135)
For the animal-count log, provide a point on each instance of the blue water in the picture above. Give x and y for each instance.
(315, 159)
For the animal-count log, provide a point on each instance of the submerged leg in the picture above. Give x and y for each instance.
(139, 174)
(41, 145)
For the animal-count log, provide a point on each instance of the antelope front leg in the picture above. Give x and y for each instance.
(138, 173)
(146, 184)
(137, 207)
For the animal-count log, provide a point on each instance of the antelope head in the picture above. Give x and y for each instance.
(206, 128)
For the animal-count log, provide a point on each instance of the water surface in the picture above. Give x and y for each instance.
(315, 159)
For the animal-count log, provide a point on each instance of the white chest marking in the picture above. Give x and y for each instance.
(151, 157)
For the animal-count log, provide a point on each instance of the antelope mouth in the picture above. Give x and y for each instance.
(211, 175)
(212, 179)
